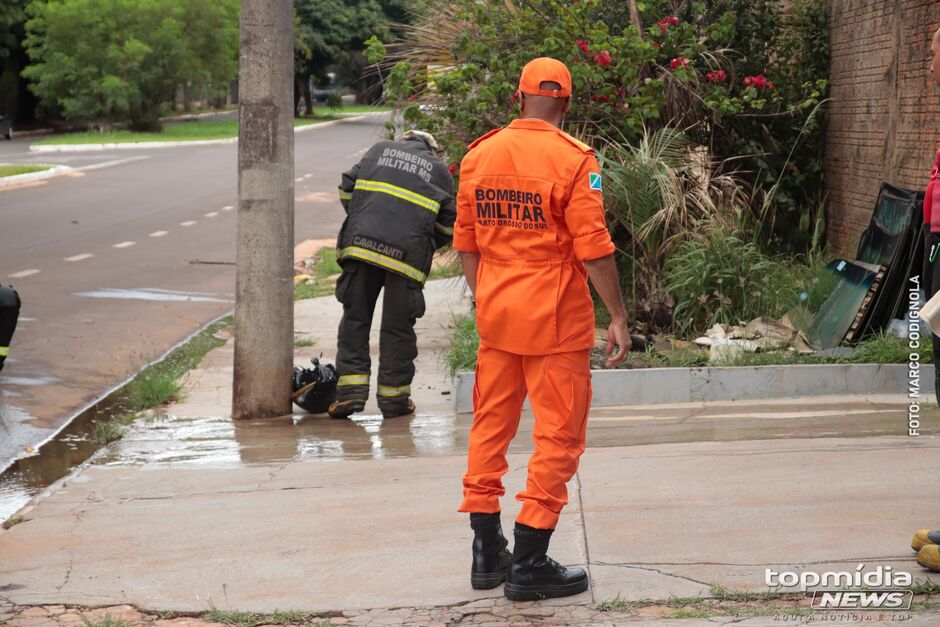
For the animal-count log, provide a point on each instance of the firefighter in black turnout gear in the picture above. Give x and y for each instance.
(9, 313)
(400, 209)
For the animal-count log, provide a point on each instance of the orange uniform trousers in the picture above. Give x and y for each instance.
(559, 390)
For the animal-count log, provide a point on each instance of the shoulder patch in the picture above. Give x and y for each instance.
(580, 145)
(481, 138)
(594, 181)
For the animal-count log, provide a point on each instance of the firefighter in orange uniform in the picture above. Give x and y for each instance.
(530, 231)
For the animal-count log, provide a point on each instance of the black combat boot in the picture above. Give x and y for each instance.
(533, 575)
(491, 558)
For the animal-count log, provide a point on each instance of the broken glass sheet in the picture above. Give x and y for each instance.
(831, 301)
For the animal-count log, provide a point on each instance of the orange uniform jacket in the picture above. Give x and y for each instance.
(530, 204)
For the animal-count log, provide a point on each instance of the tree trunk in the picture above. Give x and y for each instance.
(635, 17)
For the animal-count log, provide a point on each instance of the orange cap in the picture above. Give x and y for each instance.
(537, 71)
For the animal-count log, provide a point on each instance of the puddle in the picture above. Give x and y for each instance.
(153, 294)
(220, 441)
(28, 381)
(28, 476)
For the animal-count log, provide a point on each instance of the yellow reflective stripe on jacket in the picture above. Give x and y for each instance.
(383, 261)
(387, 390)
(399, 192)
(4, 351)
(353, 379)
(344, 195)
(446, 230)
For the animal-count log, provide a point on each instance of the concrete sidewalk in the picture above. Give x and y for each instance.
(357, 519)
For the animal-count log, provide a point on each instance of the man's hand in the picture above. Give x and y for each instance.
(617, 335)
(603, 274)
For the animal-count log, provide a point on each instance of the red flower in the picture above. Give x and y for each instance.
(678, 62)
(717, 76)
(603, 58)
(583, 45)
(666, 22)
(453, 168)
(758, 82)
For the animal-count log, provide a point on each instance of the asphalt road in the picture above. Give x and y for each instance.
(108, 262)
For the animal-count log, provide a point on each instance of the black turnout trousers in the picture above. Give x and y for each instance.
(358, 290)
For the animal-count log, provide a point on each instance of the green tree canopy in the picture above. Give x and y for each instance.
(117, 60)
(331, 34)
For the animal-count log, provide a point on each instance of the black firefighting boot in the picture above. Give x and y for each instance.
(491, 558)
(394, 410)
(924, 537)
(346, 408)
(534, 575)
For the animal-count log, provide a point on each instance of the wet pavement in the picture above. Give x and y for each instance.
(191, 510)
(218, 441)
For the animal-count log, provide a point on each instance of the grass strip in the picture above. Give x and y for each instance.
(196, 130)
(278, 617)
(14, 170)
(157, 384)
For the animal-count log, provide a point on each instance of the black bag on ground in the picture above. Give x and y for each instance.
(314, 389)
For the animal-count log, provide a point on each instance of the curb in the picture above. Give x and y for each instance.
(31, 177)
(648, 386)
(46, 148)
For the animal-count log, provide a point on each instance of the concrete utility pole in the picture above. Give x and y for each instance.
(264, 298)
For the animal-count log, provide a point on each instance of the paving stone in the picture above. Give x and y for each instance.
(536, 611)
(69, 618)
(55, 609)
(34, 612)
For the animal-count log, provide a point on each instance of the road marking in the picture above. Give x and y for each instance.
(299, 180)
(158, 233)
(212, 214)
(25, 273)
(124, 244)
(188, 223)
(81, 257)
(109, 164)
(306, 176)
(228, 207)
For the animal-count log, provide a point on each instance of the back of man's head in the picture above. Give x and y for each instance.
(543, 107)
(544, 90)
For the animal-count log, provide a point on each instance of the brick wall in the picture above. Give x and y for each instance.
(884, 112)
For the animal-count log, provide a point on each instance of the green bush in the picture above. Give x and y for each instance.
(720, 278)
